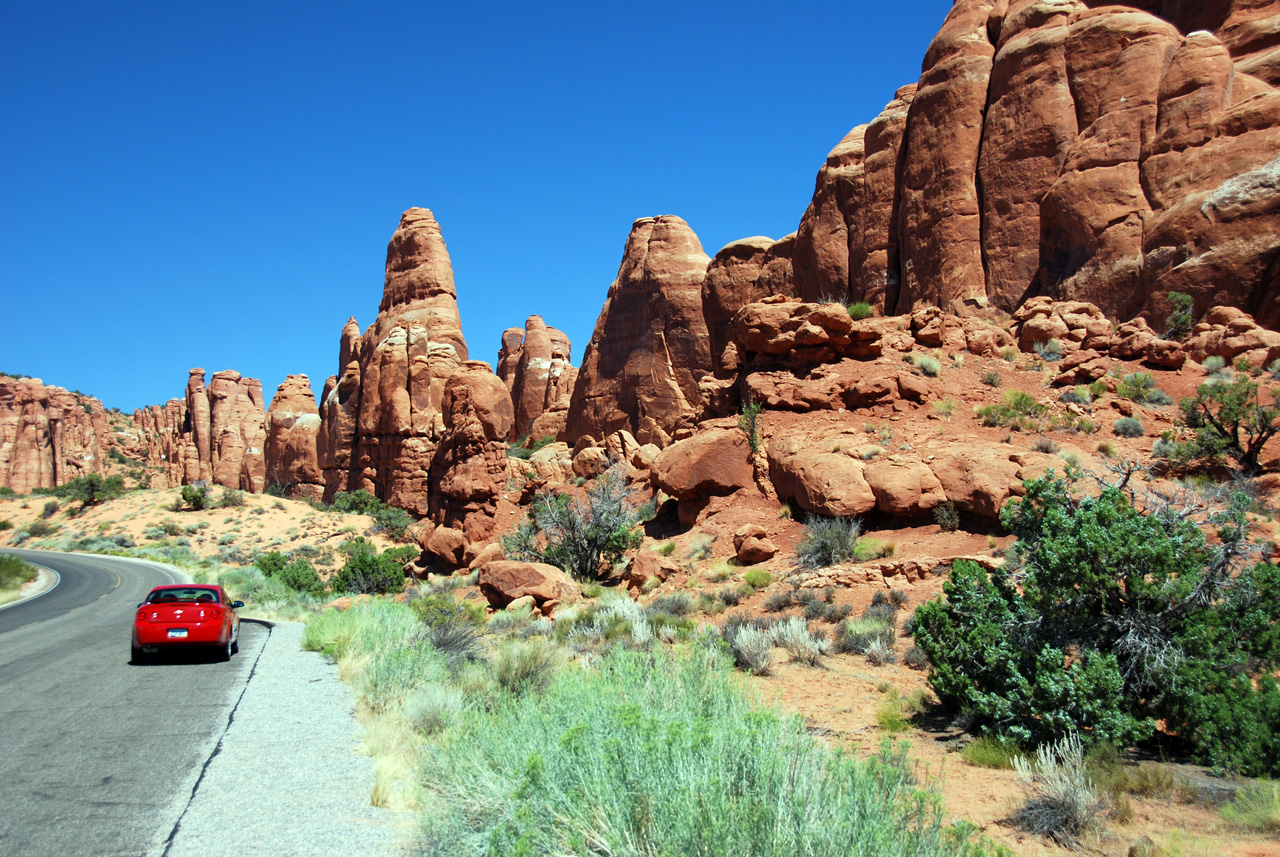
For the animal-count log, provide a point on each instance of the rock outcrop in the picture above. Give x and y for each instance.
(383, 413)
(535, 365)
(1107, 155)
(293, 427)
(48, 435)
(650, 346)
(742, 272)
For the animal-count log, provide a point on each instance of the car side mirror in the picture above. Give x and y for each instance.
(140, 603)
(237, 603)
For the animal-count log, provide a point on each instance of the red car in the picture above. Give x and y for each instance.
(192, 614)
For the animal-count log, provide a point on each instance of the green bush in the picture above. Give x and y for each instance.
(928, 366)
(50, 509)
(40, 528)
(196, 496)
(584, 535)
(231, 499)
(991, 378)
(1049, 352)
(367, 572)
(1129, 427)
(747, 422)
(390, 519)
(92, 489)
(271, 562)
(1160, 626)
(1231, 421)
(860, 310)
(300, 577)
(1020, 411)
(758, 578)
(827, 541)
(6, 524)
(1180, 321)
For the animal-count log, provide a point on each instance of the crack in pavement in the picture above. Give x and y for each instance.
(177, 825)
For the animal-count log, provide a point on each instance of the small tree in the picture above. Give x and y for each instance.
(583, 535)
(367, 572)
(1230, 419)
(92, 489)
(747, 422)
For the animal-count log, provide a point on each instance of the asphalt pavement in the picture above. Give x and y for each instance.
(104, 758)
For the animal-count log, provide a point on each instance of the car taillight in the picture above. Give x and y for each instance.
(214, 613)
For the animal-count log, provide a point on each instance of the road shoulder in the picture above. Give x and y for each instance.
(286, 777)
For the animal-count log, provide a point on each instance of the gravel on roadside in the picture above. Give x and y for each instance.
(286, 778)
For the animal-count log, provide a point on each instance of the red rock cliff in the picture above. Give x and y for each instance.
(48, 435)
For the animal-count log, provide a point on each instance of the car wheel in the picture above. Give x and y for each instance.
(226, 651)
(235, 645)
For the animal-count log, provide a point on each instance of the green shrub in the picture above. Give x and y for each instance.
(523, 450)
(1180, 321)
(92, 489)
(231, 499)
(668, 549)
(528, 667)
(271, 562)
(987, 752)
(747, 421)
(6, 524)
(301, 577)
(583, 535)
(758, 578)
(827, 541)
(1161, 626)
(40, 528)
(196, 496)
(1019, 410)
(869, 548)
(857, 636)
(860, 310)
(1129, 427)
(928, 366)
(50, 509)
(947, 517)
(367, 572)
(991, 378)
(1009, 354)
(1049, 352)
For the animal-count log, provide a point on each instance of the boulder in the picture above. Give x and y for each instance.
(716, 461)
(503, 581)
(818, 480)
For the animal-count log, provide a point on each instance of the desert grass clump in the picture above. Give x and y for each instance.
(1045, 445)
(869, 548)
(777, 602)
(991, 378)
(988, 752)
(928, 366)
(433, 707)
(803, 646)
(1049, 351)
(860, 310)
(1061, 803)
(648, 753)
(856, 636)
(1009, 354)
(757, 578)
(1256, 808)
(527, 667)
(828, 541)
(947, 517)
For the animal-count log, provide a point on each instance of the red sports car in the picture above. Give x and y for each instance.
(193, 614)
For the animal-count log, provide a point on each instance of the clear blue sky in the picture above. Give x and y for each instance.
(214, 184)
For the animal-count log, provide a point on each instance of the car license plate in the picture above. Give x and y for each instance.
(177, 633)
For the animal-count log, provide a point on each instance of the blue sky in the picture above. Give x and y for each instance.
(215, 184)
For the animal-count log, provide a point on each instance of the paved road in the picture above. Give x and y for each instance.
(97, 756)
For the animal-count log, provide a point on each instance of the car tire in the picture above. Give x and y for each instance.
(235, 644)
(225, 651)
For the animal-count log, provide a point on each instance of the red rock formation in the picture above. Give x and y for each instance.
(293, 424)
(237, 426)
(402, 364)
(539, 375)
(469, 465)
(1107, 155)
(650, 346)
(339, 412)
(48, 435)
(742, 272)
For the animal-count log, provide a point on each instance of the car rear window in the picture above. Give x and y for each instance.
(192, 594)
